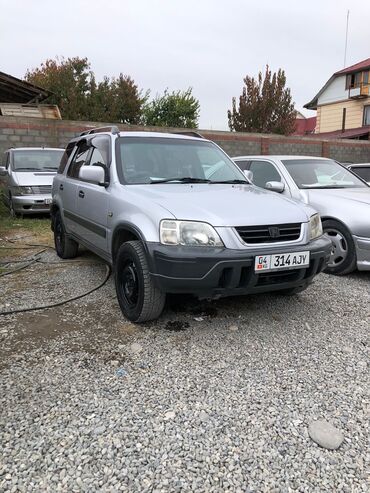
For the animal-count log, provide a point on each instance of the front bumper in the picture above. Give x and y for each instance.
(31, 204)
(217, 272)
(362, 252)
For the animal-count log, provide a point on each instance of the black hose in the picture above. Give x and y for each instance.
(59, 303)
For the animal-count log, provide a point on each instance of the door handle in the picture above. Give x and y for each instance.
(81, 194)
(61, 186)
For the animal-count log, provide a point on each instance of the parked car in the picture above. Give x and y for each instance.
(142, 202)
(362, 170)
(27, 174)
(342, 199)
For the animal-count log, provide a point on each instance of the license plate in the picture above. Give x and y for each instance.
(47, 201)
(295, 260)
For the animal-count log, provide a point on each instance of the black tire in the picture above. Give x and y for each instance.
(292, 291)
(64, 246)
(343, 259)
(140, 300)
(11, 208)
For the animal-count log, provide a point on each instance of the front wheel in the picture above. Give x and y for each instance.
(343, 258)
(140, 300)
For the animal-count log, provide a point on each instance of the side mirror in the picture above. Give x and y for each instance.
(248, 174)
(93, 174)
(3, 171)
(275, 186)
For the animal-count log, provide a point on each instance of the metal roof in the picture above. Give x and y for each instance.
(13, 90)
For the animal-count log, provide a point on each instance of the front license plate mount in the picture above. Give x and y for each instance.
(280, 261)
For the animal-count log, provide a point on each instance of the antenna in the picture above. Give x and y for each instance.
(345, 46)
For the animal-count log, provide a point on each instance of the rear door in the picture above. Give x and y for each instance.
(92, 199)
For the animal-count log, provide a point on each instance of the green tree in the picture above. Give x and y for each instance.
(80, 97)
(176, 109)
(69, 80)
(265, 105)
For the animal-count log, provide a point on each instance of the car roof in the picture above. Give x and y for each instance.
(280, 157)
(16, 149)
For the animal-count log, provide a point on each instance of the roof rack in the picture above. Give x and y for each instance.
(190, 134)
(113, 129)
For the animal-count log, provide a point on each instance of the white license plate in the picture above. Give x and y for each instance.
(47, 201)
(295, 260)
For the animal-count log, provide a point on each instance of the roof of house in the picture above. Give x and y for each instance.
(364, 64)
(305, 126)
(355, 68)
(351, 133)
(13, 90)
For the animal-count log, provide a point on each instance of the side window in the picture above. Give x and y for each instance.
(79, 160)
(243, 165)
(263, 171)
(97, 158)
(65, 157)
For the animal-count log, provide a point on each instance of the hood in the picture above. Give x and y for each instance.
(33, 178)
(225, 205)
(333, 195)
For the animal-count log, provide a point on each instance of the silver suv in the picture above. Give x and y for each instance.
(173, 214)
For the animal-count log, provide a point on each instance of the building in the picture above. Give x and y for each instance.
(304, 126)
(343, 103)
(20, 98)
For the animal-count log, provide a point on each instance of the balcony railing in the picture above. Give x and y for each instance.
(359, 92)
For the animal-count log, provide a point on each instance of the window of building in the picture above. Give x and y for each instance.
(367, 115)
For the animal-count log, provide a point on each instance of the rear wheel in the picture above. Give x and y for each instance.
(64, 246)
(343, 258)
(140, 300)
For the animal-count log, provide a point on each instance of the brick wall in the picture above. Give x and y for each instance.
(27, 132)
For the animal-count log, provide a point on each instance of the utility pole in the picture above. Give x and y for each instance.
(345, 46)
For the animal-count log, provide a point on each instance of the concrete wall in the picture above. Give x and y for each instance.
(27, 132)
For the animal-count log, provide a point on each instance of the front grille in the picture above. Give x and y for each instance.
(41, 189)
(269, 234)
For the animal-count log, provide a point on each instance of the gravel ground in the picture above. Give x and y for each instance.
(213, 397)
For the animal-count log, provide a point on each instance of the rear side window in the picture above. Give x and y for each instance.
(65, 157)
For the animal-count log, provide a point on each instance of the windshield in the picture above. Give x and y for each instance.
(37, 160)
(315, 173)
(144, 160)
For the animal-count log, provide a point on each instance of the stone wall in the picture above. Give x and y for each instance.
(27, 132)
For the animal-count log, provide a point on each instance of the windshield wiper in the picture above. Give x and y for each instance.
(184, 179)
(245, 182)
(50, 167)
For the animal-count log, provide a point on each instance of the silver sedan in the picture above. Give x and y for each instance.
(342, 199)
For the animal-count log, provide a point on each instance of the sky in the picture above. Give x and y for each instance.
(209, 45)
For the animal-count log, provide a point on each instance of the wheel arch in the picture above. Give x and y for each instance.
(332, 218)
(125, 232)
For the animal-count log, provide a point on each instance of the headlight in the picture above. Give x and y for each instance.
(22, 191)
(188, 233)
(315, 226)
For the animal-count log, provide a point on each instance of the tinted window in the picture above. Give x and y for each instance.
(65, 157)
(243, 165)
(79, 160)
(363, 172)
(263, 171)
